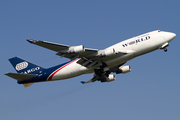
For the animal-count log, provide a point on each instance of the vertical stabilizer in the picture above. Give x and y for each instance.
(24, 67)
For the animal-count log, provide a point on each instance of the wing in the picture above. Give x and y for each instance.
(102, 78)
(70, 52)
(89, 57)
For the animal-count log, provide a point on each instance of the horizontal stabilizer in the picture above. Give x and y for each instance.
(21, 77)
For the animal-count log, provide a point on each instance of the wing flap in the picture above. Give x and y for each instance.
(21, 77)
(89, 63)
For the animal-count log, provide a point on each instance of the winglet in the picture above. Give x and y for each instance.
(31, 41)
(83, 82)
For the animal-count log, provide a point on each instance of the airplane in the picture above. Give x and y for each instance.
(85, 60)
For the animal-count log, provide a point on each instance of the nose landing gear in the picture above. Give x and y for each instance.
(164, 46)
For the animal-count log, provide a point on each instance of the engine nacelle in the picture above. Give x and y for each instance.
(108, 52)
(124, 69)
(111, 78)
(76, 49)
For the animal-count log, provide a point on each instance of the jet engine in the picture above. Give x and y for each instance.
(111, 78)
(124, 69)
(108, 52)
(76, 49)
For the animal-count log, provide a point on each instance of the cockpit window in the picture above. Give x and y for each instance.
(159, 30)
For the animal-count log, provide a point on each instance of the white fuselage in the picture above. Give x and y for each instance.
(134, 47)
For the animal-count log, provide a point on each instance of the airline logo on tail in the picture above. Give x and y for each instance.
(21, 66)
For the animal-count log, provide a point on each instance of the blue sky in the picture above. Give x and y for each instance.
(150, 91)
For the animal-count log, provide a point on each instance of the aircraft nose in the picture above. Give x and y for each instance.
(172, 35)
(169, 36)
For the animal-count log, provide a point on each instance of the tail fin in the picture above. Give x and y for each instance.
(25, 67)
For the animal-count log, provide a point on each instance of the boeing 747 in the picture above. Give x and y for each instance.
(85, 60)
